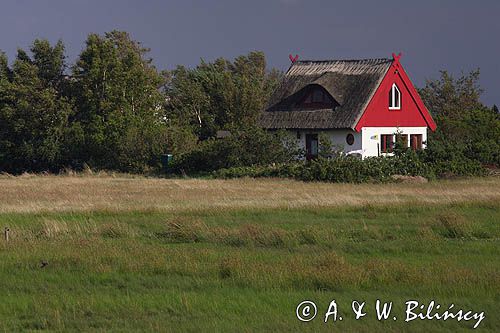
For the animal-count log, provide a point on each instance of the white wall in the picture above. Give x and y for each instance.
(338, 138)
(371, 137)
(366, 142)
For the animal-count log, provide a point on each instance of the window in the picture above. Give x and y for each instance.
(317, 98)
(416, 141)
(349, 139)
(386, 143)
(308, 99)
(394, 98)
(311, 146)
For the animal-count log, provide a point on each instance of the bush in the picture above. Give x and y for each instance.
(449, 160)
(353, 170)
(252, 146)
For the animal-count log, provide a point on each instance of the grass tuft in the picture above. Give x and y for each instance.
(229, 267)
(455, 225)
(182, 230)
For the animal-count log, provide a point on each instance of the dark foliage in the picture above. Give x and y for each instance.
(464, 125)
(33, 111)
(219, 95)
(347, 169)
(111, 112)
(246, 147)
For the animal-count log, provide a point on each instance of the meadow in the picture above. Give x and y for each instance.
(110, 252)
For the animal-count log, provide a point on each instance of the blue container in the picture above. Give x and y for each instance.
(166, 160)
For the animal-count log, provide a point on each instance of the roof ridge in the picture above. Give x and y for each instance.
(343, 60)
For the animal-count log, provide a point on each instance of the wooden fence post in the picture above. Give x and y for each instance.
(6, 234)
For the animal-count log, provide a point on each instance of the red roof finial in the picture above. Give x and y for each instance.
(396, 58)
(292, 58)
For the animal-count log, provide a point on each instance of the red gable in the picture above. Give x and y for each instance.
(412, 112)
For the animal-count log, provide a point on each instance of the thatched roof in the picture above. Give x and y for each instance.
(351, 83)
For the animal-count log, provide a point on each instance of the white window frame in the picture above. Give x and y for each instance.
(394, 105)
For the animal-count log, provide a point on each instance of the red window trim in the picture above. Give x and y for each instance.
(416, 141)
(386, 146)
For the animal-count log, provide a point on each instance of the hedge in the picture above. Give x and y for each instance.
(347, 169)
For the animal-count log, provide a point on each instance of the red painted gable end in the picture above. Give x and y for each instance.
(413, 112)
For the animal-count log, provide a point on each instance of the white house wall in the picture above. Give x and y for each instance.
(366, 142)
(371, 137)
(337, 137)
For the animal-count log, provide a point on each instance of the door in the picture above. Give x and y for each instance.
(311, 146)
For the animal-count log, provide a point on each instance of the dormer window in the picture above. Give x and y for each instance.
(394, 98)
(317, 97)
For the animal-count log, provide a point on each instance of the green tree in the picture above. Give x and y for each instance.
(450, 97)
(50, 61)
(221, 94)
(119, 105)
(33, 115)
(464, 125)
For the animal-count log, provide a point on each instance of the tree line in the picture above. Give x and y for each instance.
(112, 109)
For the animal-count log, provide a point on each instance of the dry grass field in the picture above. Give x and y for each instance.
(33, 193)
(107, 252)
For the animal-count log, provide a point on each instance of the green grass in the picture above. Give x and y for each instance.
(246, 270)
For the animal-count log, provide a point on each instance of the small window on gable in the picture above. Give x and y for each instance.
(394, 98)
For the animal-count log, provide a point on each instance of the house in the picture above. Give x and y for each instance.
(363, 106)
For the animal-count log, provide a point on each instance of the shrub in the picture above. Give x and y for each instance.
(446, 160)
(243, 148)
(349, 169)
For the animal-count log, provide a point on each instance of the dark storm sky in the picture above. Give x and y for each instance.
(433, 35)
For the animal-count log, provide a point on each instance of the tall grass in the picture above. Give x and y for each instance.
(32, 194)
(238, 266)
